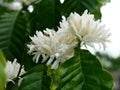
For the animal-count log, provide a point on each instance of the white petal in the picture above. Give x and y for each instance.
(55, 64)
(45, 57)
(50, 60)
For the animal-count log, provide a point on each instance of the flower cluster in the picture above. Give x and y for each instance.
(56, 47)
(12, 69)
(88, 31)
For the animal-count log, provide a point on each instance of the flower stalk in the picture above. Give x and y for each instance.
(54, 75)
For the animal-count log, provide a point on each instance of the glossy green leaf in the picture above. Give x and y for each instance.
(84, 72)
(12, 34)
(80, 5)
(36, 79)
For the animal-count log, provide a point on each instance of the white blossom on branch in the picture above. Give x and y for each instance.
(87, 30)
(54, 47)
(12, 69)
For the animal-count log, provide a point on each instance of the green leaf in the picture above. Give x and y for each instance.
(2, 78)
(36, 79)
(84, 72)
(2, 59)
(12, 34)
(2, 72)
(80, 5)
(46, 14)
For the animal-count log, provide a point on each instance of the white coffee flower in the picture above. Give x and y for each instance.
(88, 31)
(54, 47)
(12, 69)
(16, 5)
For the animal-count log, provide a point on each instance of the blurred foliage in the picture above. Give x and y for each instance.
(113, 65)
(110, 63)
